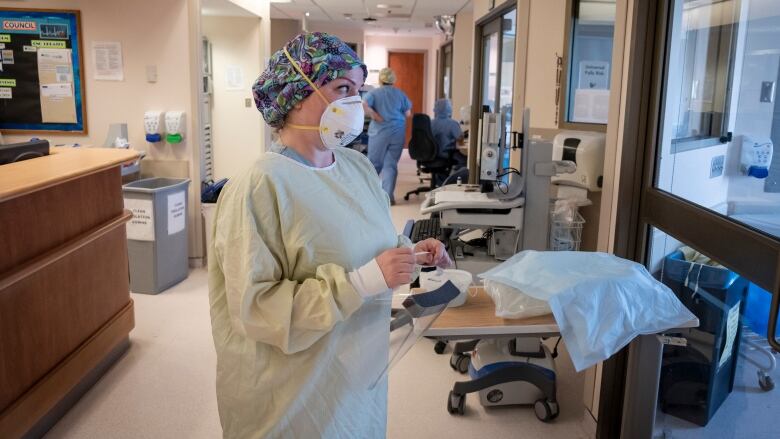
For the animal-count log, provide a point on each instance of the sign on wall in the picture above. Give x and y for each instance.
(41, 71)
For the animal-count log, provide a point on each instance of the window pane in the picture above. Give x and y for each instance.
(703, 54)
(489, 70)
(714, 386)
(728, 178)
(590, 61)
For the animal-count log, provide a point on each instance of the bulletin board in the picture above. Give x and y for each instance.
(41, 71)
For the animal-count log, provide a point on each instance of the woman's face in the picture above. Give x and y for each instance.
(309, 111)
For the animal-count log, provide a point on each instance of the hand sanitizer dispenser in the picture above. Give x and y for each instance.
(756, 156)
(153, 124)
(174, 126)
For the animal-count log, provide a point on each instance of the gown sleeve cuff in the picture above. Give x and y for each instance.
(368, 280)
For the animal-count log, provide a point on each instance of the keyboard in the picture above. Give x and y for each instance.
(424, 229)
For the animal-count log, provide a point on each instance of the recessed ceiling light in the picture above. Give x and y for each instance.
(386, 6)
(307, 14)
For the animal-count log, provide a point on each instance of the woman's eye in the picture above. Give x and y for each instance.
(343, 89)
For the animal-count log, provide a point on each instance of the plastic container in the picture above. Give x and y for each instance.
(157, 233)
(462, 279)
(697, 379)
(757, 307)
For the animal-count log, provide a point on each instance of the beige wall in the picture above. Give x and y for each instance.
(237, 128)
(346, 34)
(376, 53)
(152, 33)
(282, 31)
(462, 61)
(545, 38)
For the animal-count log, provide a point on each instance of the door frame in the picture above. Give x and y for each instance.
(641, 206)
(476, 89)
(440, 69)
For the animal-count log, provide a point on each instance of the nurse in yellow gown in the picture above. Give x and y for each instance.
(304, 258)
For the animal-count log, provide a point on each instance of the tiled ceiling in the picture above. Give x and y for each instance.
(402, 17)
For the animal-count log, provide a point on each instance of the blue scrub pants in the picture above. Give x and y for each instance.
(384, 151)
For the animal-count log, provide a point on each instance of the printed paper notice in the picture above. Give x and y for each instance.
(594, 75)
(107, 56)
(56, 91)
(176, 212)
(5, 93)
(234, 78)
(141, 225)
(58, 104)
(732, 325)
(8, 56)
(591, 105)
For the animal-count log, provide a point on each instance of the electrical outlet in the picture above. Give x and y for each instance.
(716, 166)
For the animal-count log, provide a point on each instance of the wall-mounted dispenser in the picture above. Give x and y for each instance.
(756, 156)
(153, 125)
(174, 126)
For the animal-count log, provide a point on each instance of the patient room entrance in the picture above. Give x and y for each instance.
(701, 213)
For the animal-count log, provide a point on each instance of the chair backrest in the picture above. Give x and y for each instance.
(422, 146)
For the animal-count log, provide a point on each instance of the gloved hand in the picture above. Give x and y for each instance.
(437, 254)
(397, 266)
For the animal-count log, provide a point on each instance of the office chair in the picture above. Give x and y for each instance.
(423, 149)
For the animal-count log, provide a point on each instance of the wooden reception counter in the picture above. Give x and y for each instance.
(65, 307)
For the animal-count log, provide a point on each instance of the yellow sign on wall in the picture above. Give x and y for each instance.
(7, 82)
(5, 38)
(45, 44)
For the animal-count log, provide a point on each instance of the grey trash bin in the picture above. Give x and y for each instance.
(157, 233)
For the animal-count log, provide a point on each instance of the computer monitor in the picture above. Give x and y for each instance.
(17, 152)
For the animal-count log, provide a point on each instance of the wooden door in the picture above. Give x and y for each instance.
(409, 70)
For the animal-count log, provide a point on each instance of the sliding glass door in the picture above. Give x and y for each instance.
(708, 223)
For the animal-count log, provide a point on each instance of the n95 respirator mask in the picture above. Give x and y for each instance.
(341, 122)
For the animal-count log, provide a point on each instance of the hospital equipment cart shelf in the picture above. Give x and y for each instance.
(476, 319)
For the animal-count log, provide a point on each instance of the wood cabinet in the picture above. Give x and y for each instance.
(65, 307)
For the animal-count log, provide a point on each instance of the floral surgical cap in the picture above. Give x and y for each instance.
(322, 57)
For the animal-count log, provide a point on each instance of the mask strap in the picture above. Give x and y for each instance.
(303, 127)
(298, 69)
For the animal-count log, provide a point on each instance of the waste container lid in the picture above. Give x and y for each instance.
(148, 185)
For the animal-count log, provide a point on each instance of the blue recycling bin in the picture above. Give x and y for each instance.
(757, 307)
(696, 379)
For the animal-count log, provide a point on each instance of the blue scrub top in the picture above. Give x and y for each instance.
(446, 132)
(392, 104)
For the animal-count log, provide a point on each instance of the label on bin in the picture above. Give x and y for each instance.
(177, 217)
(141, 225)
(732, 324)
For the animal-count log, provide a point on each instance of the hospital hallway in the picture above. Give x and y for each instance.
(163, 387)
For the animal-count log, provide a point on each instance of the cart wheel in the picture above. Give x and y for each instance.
(456, 404)
(545, 410)
(463, 363)
(460, 362)
(765, 382)
(440, 347)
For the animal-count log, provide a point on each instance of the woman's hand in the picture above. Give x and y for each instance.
(437, 254)
(397, 266)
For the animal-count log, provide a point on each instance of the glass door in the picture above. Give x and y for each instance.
(709, 219)
(495, 82)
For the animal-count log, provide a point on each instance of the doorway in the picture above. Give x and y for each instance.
(409, 68)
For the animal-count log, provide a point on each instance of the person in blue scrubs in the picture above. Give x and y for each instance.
(447, 132)
(388, 108)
